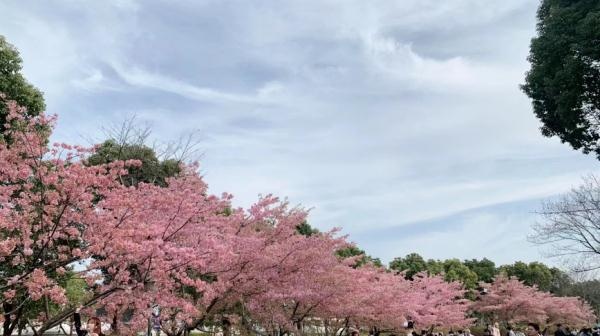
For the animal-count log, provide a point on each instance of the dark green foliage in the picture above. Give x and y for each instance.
(484, 268)
(455, 270)
(152, 169)
(452, 269)
(363, 258)
(14, 85)
(471, 272)
(306, 230)
(564, 80)
(534, 273)
(411, 264)
(587, 290)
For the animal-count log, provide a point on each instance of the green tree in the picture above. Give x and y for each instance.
(561, 281)
(587, 290)
(435, 267)
(534, 273)
(152, 169)
(484, 268)
(14, 86)
(363, 257)
(455, 270)
(412, 264)
(306, 229)
(564, 79)
(77, 291)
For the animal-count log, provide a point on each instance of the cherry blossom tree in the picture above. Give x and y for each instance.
(510, 300)
(440, 303)
(190, 252)
(46, 197)
(569, 310)
(137, 245)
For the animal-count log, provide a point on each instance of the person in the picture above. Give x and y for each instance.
(409, 325)
(519, 333)
(533, 329)
(560, 330)
(93, 327)
(496, 329)
(596, 331)
(461, 333)
(468, 332)
(510, 331)
(156, 323)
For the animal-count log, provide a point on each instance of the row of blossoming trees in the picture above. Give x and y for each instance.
(509, 300)
(201, 260)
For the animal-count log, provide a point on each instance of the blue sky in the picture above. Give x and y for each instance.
(399, 121)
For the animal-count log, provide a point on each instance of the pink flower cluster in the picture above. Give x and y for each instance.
(510, 300)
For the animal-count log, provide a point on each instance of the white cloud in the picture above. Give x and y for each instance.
(136, 76)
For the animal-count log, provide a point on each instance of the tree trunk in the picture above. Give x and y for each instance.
(10, 323)
(226, 325)
(299, 328)
(115, 325)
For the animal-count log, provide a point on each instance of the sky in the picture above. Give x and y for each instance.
(401, 122)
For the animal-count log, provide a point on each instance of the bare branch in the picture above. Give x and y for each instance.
(571, 226)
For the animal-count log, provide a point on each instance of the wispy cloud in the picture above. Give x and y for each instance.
(138, 77)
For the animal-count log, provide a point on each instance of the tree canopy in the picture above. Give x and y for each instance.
(151, 170)
(564, 79)
(472, 273)
(14, 86)
(411, 264)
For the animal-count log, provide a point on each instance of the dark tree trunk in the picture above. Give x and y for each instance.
(9, 322)
(299, 327)
(226, 325)
(115, 325)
